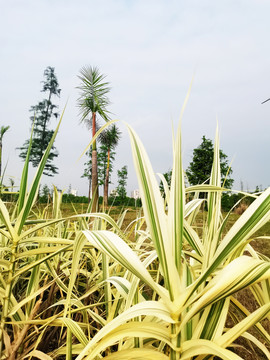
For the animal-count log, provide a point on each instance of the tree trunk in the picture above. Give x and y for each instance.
(94, 167)
(106, 184)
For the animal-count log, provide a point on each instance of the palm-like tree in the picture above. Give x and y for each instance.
(93, 100)
(3, 130)
(110, 139)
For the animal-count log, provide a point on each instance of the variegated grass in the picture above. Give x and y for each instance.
(88, 287)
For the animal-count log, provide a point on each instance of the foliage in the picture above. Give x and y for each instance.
(93, 94)
(102, 163)
(43, 112)
(234, 200)
(93, 100)
(122, 182)
(109, 139)
(127, 201)
(69, 198)
(199, 170)
(102, 157)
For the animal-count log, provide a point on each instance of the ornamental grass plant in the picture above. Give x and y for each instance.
(87, 287)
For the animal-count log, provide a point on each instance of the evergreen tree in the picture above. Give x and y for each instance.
(199, 169)
(42, 114)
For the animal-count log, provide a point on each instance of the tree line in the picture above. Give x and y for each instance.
(93, 105)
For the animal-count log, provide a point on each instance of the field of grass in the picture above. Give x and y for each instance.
(95, 299)
(261, 245)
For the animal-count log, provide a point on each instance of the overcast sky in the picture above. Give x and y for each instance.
(149, 50)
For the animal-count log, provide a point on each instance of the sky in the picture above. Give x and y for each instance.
(149, 51)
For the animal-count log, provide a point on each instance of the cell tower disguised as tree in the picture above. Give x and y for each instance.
(93, 100)
(42, 113)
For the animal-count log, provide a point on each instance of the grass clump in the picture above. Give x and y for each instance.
(97, 286)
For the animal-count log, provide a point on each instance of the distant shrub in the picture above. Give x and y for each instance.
(127, 201)
(228, 201)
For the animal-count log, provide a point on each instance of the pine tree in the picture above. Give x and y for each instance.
(43, 112)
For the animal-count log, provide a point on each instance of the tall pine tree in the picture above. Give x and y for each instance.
(41, 116)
